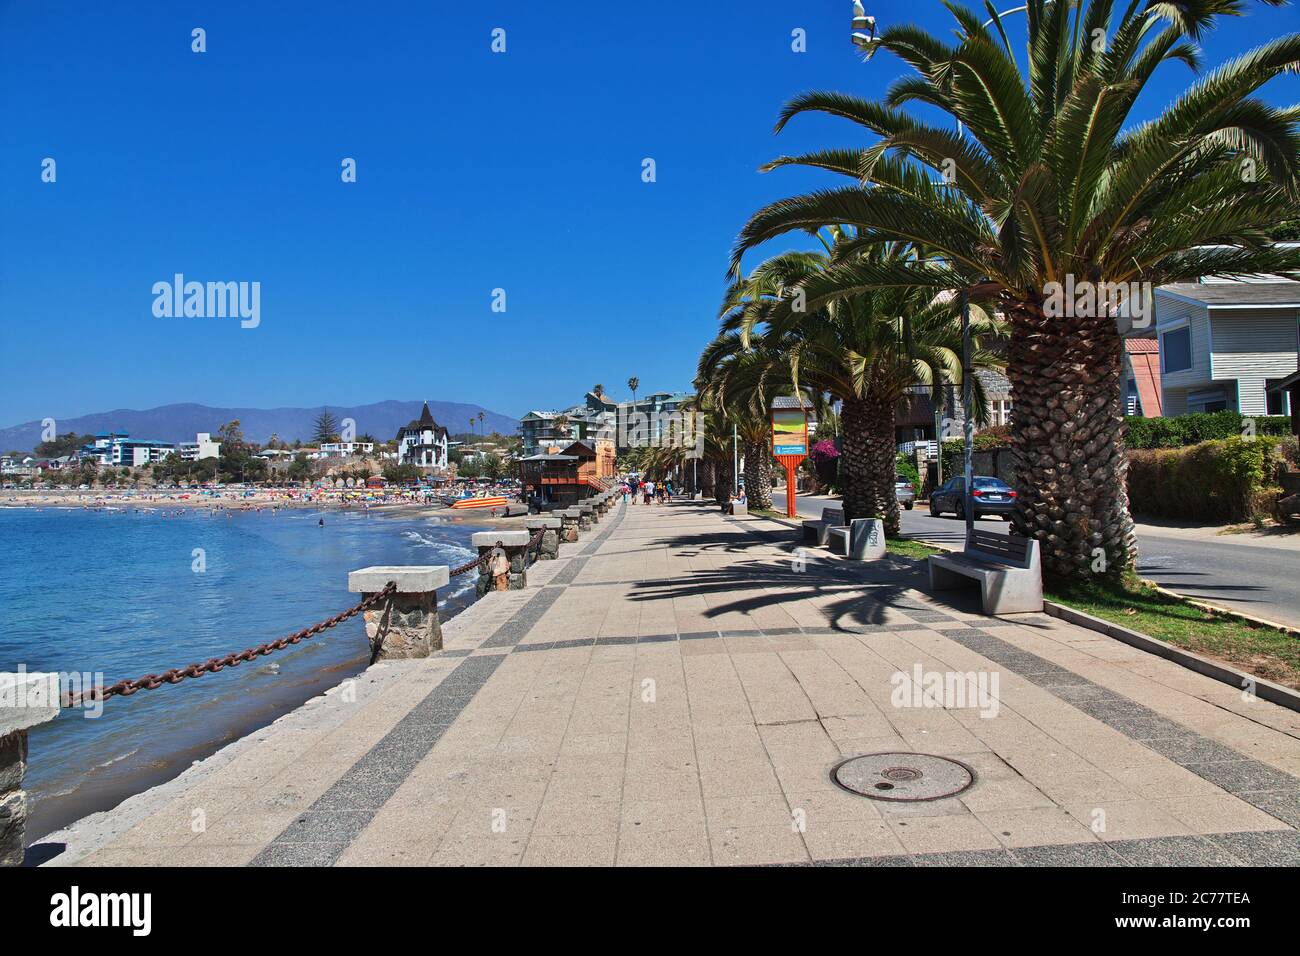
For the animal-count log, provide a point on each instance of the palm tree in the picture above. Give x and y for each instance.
(633, 383)
(710, 472)
(598, 390)
(865, 349)
(1052, 183)
(739, 377)
(480, 423)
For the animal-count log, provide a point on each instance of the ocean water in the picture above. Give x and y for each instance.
(126, 592)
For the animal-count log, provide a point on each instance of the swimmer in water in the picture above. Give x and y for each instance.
(322, 522)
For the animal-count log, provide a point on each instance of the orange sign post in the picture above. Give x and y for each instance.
(789, 447)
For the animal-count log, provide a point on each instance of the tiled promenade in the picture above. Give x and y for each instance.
(676, 690)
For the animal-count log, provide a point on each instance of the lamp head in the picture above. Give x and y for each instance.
(867, 44)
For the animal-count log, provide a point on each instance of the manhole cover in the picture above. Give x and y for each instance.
(898, 776)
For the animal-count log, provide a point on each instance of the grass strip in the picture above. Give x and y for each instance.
(1256, 649)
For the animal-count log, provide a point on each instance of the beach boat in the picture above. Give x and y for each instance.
(465, 503)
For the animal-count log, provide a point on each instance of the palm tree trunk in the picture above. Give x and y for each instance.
(724, 477)
(758, 474)
(1067, 437)
(867, 461)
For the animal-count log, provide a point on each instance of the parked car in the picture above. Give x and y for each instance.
(905, 494)
(992, 496)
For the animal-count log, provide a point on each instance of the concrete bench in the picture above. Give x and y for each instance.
(819, 531)
(863, 539)
(1006, 567)
(736, 508)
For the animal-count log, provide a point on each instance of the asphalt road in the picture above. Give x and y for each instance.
(1253, 577)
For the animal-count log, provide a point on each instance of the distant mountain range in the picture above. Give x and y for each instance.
(174, 423)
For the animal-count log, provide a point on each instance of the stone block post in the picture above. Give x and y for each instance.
(507, 567)
(867, 539)
(550, 528)
(602, 504)
(25, 701)
(406, 623)
(586, 516)
(569, 528)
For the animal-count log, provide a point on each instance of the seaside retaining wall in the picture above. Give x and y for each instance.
(25, 701)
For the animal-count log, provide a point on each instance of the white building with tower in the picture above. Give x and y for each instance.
(422, 442)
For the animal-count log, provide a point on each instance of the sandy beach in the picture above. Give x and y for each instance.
(255, 500)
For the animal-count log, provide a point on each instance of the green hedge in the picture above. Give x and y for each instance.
(1185, 430)
(1180, 432)
(1227, 479)
(905, 469)
(1222, 480)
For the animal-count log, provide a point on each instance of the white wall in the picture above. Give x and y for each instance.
(1251, 346)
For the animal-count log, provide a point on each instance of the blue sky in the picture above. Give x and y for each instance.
(476, 171)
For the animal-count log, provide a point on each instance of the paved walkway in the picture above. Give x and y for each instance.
(677, 688)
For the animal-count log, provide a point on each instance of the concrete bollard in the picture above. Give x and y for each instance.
(25, 701)
(570, 524)
(592, 510)
(550, 528)
(867, 539)
(507, 569)
(406, 624)
(585, 520)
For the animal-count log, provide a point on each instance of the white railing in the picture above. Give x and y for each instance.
(929, 447)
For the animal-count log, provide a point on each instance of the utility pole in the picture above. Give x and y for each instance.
(968, 426)
(938, 441)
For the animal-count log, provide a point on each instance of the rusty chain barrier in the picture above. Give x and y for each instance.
(534, 547)
(125, 688)
(471, 565)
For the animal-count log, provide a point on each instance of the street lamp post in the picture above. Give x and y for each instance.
(735, 460)
(868, 43)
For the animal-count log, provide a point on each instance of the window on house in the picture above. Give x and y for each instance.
(1275, 402)
(999, 411)
(1176, 350)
